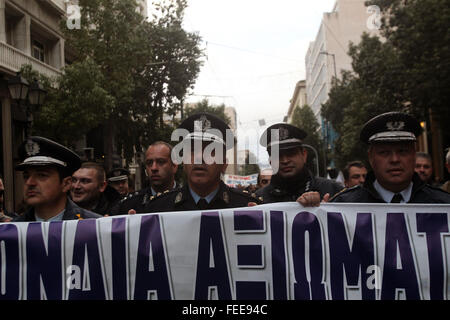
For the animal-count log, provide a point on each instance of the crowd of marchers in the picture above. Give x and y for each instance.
(58, 186)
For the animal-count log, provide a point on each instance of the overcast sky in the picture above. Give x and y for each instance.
(255, 54)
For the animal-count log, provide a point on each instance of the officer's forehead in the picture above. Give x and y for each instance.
(158, 150)
(47, 169)
(393, 145)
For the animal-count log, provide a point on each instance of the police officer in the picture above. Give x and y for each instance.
(47, 168)
(160, 170)
(292, 181)
(118, 179)
(205, 141)
(392, 151)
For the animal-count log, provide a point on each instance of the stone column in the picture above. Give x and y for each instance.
(8, 170)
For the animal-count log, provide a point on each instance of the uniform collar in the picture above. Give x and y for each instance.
(387, 195)
(208, 198)
(58, 217)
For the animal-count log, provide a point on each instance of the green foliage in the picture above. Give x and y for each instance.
(126, 73)
(204, 106)
(305, 119)
(409, 70)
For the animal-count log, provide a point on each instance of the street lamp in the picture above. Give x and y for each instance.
(31, 95)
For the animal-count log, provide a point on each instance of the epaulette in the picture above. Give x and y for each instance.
(247, 194)
(345, 190)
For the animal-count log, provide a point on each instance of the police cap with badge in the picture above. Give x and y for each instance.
(118, 174)
(282, 135)
(206, 127)
(39, 151)
(391, 127)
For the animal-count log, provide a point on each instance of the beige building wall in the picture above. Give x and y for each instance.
(298, 99)
(346, 23)
(232, 153)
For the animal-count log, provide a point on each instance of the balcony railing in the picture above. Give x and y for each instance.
(12, 59)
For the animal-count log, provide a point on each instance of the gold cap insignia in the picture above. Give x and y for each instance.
(202, 124)
(284, 133)
(395, 126)
(32, 148)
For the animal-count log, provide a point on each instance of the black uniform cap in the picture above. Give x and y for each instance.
(118, 174)
(288, 136)
(391, 127)
(207, 127)
(39, 151)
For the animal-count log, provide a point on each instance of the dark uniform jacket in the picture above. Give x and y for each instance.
(181, 200)
(109, 198)
(281, 190)
(366, 193)
(135, 200)
(73, 212)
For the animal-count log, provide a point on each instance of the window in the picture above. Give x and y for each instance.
(38, 50)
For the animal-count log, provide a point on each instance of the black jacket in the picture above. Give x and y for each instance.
(109, 198)
(281, 190)
(135, 200)
(366, 193)
(181, 200)
(73, 212)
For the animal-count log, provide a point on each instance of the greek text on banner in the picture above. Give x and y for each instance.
(273, 251)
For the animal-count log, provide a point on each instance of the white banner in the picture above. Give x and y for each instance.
(234, 180)
(273, 251)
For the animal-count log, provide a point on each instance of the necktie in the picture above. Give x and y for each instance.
(202, 204)
(397, 198)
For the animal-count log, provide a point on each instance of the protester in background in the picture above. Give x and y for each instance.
(392, 155)
(160, 170)
(355, 173)
(4, 215)
(293, 181)
(424, 168)
(204, 188)
(118, 178)
(90, 191)
(446, 185)
(47, 169)
(264, 177)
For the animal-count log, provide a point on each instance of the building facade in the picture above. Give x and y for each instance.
(29, 34)
(327, 54)
(298, 99)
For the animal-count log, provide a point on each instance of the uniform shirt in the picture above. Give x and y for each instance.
(58, 217)
(366, 193)
(182, 199)
(388, 195)
(208, 198)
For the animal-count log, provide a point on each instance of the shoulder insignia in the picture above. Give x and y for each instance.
(226, 197)
(179, 197)
(167, 191)
(244, 191)
(260, 198)
(158, 194)
(152, 197)
(339, 193)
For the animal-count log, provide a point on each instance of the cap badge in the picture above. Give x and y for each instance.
(395, 126)
(202, 124)
(284, 133)
(32, 148)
